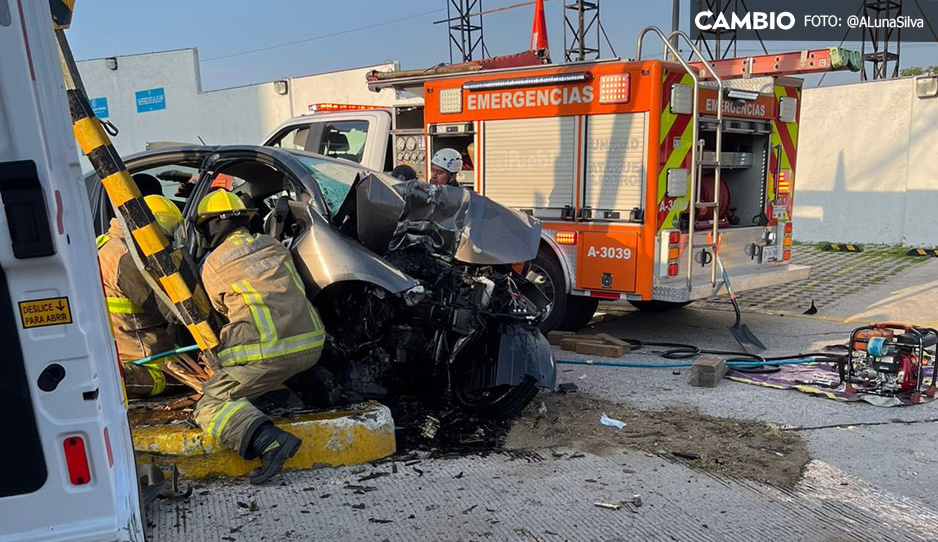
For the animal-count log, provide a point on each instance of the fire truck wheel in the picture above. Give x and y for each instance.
(581, 311)
(655, 305)
(547, 274)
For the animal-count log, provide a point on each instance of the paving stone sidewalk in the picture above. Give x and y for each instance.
(834, 275)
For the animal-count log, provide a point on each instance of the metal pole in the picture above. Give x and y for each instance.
(675, 21)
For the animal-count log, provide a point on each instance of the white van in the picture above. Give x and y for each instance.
(67, 459)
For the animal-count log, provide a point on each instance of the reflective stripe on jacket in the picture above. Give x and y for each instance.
(139, 326)
(253, 283)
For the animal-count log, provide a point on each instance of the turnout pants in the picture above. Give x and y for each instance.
(225, 410)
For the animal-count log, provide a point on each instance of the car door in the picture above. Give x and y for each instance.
(171, 168)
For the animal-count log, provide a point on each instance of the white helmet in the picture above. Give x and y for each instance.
(448, 159)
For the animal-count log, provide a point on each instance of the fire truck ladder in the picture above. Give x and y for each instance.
(697, 150)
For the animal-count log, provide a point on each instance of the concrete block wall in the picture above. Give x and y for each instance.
(240, 115)
(867, 168)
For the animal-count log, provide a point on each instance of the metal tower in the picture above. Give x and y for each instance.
(881, 45)
(720, 43)
(581, 30)
(465, 36)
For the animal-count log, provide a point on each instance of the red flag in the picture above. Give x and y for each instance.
(539, 29)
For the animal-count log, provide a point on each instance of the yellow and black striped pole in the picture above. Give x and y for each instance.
(174, 274)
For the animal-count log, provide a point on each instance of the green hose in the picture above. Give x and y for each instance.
(166, 354)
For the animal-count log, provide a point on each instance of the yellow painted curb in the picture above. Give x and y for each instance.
(347, 437)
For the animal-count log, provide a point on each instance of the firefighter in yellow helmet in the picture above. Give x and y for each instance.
(272, 332)
(138, 320)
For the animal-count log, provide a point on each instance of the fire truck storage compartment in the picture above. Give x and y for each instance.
(744, 167)
(459, 136)
(531, 164)
(607, 261)
(615, 166)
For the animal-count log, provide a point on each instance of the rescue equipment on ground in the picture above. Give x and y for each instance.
(889, 359)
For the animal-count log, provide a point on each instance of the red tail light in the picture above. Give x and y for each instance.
(786, 255)
(674, 238)
(788, 227)
(77, 461)
(565, 237)
(672, 270)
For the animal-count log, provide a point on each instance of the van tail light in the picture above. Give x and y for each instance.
(77, 461)
(672, 270)
(565, 237)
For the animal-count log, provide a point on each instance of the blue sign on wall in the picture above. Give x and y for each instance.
(153, 99)
(99, 106)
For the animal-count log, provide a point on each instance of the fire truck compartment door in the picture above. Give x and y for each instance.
(531, 163)
(607, 261)
(615, 164)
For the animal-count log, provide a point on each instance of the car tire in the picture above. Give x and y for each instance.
(656, 305)
(500, 403)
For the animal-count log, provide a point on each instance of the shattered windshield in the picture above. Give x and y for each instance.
(334, 179)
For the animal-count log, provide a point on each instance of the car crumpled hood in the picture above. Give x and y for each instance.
(448, 220)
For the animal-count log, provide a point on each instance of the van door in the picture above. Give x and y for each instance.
(65, 445)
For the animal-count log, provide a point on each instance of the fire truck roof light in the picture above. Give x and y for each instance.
(736, 94)
(322, 107)
(537, 81)
(565, 237)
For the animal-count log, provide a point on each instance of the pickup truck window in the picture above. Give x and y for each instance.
(343, 139)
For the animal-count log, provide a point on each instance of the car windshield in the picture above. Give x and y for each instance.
(334, 179)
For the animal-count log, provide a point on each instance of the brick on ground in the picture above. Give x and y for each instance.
(707, 371)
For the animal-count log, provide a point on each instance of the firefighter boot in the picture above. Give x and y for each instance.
(274, 446)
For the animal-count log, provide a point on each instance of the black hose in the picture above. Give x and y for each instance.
(686, 351)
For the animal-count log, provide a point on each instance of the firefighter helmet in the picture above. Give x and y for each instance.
(448, 159)
(221, 203)
(165, 211)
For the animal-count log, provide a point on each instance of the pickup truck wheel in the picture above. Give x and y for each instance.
(548, 276)
(499, 403)
(656, 305)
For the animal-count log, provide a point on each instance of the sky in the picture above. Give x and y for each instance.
(243, 41)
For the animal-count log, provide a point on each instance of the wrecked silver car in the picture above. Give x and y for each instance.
(421, 288)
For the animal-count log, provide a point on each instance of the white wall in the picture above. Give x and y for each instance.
(867, 167)
(229, 116)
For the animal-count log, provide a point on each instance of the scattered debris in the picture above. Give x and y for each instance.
(567, 387)
(686, 455)
(460, 475)
(470, 509)
(606, 420)
(376, 520)
(418, 471)
(542, 409)
(631, 508)
(636, 500)
(359, 506)
(608, 505)
(325, 495)
(373, 475)
(360, 489)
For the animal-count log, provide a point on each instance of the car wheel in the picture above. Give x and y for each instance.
(499, 403)
(548, 276)
(656, 305)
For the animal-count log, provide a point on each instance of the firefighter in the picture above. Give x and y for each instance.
(444, 166)
(272, 332)
(138, 320)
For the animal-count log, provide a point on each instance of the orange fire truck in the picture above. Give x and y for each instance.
(646, 173)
